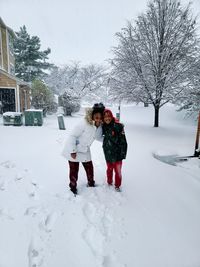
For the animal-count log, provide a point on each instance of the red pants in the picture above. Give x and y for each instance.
(117, 167)
(73, 173)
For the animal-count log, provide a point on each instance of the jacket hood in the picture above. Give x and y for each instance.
(88, 116)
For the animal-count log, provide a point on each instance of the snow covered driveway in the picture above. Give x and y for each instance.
(153, 222)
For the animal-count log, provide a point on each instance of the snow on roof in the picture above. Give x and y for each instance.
(8, 28)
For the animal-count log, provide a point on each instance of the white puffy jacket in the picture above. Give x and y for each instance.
(81, 138)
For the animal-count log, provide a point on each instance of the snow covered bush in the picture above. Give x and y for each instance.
(42, 97)
(69, 102)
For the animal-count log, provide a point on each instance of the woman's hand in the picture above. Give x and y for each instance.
(73, 155)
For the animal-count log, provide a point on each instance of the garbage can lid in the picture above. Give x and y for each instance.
(39, 110)
(12, 114)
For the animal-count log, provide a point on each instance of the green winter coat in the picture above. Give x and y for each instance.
(114, 142)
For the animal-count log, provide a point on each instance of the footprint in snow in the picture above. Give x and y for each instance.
(34, 183)
(34, 254)
(7, 164)
(48, 223)
(19, 177)
(89, 212)
(111, 260)
(33, 192)
(90, 234)
(98, 217)
(108, 261)
(106, 224)
(59, 141)
(4, 213)
(32, 211)
(3, 186)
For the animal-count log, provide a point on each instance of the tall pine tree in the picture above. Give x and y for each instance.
(30, 62)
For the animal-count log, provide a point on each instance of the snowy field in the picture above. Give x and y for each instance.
(153, 222)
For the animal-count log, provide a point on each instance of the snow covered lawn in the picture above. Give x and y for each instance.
(153, 222)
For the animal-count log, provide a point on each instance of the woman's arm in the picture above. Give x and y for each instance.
(123, 142)
(99, 134)
(73, 137)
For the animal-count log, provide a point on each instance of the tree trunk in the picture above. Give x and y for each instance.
(156, 116)
(196, 152)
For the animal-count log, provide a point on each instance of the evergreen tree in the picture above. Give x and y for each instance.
(30, 62)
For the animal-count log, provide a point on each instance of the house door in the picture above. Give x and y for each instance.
(7, 100)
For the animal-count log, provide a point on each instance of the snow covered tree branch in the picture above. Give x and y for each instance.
(156, 55)
(77, 80)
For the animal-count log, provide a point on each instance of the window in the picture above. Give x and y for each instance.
(11, 47)
(1, 56)
(12, 69)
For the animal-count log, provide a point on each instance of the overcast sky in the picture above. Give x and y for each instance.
(81, 30)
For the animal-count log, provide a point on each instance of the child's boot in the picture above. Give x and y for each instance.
(91, 183)
(117, 189)
(74, 190)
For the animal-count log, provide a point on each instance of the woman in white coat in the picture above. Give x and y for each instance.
(77, 147)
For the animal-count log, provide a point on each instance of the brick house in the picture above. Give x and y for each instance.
(14, 93)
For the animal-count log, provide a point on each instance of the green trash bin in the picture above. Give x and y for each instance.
(12, 118)
(61, 122)
(33, 117)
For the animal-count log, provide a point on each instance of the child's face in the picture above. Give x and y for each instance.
(107, 118)
(97, 118)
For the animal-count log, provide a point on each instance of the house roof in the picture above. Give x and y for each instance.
(19, 81)
(8, 28)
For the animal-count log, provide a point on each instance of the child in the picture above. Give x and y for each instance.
(77, 147)
(114, 147)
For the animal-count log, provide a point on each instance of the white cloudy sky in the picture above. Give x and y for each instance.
(80, 30)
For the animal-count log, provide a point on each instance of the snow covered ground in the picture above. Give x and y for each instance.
(153, 222)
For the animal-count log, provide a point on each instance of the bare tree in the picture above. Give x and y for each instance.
(77, 80)
(157, 53)
(125, 86)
